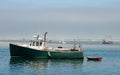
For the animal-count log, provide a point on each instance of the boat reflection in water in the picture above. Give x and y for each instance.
(28, 62)
(42, 64)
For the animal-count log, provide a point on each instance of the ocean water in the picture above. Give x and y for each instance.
(110, 64)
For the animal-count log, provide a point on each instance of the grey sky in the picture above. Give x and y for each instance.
(61, 19)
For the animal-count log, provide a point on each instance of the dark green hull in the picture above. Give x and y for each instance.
(66, 55)
(18, 51)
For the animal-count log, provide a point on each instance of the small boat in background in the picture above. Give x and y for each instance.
(107, 42)
(94, 58)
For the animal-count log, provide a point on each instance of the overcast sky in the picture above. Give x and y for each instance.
(84, 19)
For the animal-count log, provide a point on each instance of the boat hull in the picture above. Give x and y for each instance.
(95, 58)
(67, 55)
(20, 51)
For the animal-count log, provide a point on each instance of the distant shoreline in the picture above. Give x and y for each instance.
(4, 43)
(21, 40)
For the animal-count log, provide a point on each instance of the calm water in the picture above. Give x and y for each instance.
(110, 64)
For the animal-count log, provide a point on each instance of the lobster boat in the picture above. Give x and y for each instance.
(38, 48)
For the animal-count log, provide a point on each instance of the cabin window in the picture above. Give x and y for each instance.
(60, 47)
(33, 43)
(40, 43)
(37, 43)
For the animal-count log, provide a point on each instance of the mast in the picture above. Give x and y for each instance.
(74, 45)
(45, 37)
(44, 40)
(37, 37)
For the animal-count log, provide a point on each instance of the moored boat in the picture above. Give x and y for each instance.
(94, 58)
(107, 42)
(38, 49)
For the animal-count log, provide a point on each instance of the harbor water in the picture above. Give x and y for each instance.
(110, 64)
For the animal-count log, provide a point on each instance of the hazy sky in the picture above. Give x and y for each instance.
(61, 19)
